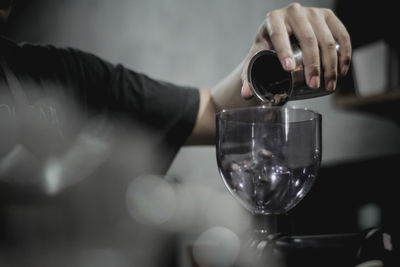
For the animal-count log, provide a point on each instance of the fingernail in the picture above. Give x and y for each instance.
(314, 82)
(246, 92)
(289, 63)
(331, 86)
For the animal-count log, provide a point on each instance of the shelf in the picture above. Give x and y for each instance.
(354, 101)
(386, 105)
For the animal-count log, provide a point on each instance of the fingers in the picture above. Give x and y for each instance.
(317, 31)
(340, 33)
(304, 32)
(327, 46)
(279, 36)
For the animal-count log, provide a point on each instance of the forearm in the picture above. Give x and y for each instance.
(225, 95)
(204, 130)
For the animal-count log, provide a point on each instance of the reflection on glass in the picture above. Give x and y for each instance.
(268, 157)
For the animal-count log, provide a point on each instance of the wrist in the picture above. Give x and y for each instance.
(227, 93)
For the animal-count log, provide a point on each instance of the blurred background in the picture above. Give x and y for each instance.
(197, 43)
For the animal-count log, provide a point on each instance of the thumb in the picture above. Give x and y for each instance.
(246, 92)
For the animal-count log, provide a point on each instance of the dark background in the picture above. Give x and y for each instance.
(343, 186)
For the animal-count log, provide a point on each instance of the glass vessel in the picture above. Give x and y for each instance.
(268, 157)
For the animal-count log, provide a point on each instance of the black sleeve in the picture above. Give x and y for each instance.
(102, 87)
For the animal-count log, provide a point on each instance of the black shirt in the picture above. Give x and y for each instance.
(88, 85)
(87, 129)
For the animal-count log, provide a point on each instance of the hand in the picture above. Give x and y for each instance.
(316, 29)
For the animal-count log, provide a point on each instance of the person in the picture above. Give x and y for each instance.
(67, 115)
(315, 28)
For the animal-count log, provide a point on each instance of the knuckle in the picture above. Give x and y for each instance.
(343, 34)
(294, 6)
(346, 59)
(313, 65)
(327, 12)
(345, 37)
(271, 20)
(331, 45)
(274, 35)
(272, 15)
(310, 40)
(314, 12)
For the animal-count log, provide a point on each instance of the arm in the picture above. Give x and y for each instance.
(316, 29)
(224, 95)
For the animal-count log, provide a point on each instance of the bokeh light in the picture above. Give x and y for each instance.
(217, 246)
(151, 200)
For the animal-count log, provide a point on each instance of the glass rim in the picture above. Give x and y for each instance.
(315, 115)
